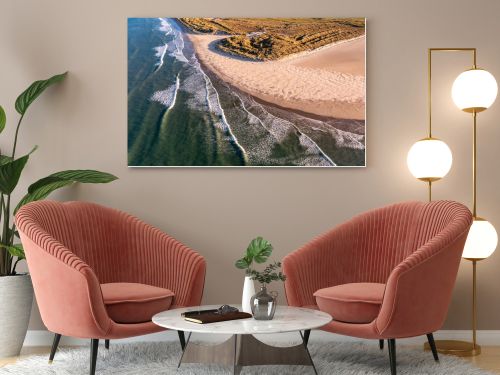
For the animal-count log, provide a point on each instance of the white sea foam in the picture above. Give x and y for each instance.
(213, 101)
(211, 96)
(177, 48)
(165, 26)
(196, 100)
(160, 51)
(281, 127)
(168, 96)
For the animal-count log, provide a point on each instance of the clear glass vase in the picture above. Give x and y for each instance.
(263, 304)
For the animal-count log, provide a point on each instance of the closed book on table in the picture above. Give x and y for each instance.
(212, 317)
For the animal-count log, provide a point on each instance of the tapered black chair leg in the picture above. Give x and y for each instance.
(307, 333)
(392, 355)
(182, 339)
(106, 344)
(432, 344)
(381, 344)
(55, 344)
(94, 346)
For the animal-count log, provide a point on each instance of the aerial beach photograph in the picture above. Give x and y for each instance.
(246, 92)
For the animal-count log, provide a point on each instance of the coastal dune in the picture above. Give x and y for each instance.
(329, 81)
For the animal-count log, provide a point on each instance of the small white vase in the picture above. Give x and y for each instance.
(248, 292)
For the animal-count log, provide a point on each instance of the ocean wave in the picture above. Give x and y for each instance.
(213, 100)
(165, 26)
(198, 84)
(168, 96)
(177, 48)
(160, 52)
(196, 100)
(281, 128)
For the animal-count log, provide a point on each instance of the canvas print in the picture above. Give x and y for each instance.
(269, 92)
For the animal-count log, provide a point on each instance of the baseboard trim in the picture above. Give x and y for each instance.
(484, 337)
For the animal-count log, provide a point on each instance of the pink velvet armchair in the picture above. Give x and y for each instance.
(99, 273)
(385, 274)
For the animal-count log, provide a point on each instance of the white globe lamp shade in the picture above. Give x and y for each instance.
(481, 241)
(474, 90)
(429, 159)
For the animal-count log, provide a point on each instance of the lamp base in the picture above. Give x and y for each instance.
(456, 348)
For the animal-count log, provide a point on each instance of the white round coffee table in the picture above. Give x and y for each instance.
(242, 348)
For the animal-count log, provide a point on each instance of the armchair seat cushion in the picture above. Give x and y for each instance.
(135, 303)
(351, 303)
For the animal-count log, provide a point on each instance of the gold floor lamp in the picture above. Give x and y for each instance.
(430, 159)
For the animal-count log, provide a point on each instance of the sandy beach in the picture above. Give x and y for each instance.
(329, 81)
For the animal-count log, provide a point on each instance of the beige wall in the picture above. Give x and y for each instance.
(83, 124)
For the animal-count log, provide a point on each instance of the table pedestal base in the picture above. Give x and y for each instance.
(246, 350)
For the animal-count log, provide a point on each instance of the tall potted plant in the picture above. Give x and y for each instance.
(16, 291)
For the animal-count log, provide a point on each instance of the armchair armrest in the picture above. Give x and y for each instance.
(68, 292)
(419, 289)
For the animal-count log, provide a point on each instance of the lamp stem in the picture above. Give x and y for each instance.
(474, 167)
(474, 304)
(430, 191)
(429, 89)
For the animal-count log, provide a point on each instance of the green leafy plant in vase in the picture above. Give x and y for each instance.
(262, 304)
(16, 291)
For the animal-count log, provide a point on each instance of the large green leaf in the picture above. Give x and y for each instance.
(259, 250)
(42, 193)
(43, 182)
(29, 95)
(43, 187)
(3, 119)
(86, 176)
(10, 172)
(242, 263)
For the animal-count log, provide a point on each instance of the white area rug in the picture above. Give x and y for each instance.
(161, 358)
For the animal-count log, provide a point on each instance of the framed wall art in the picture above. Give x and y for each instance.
(268, 92)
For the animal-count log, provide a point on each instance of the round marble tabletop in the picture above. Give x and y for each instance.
(286, 319)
